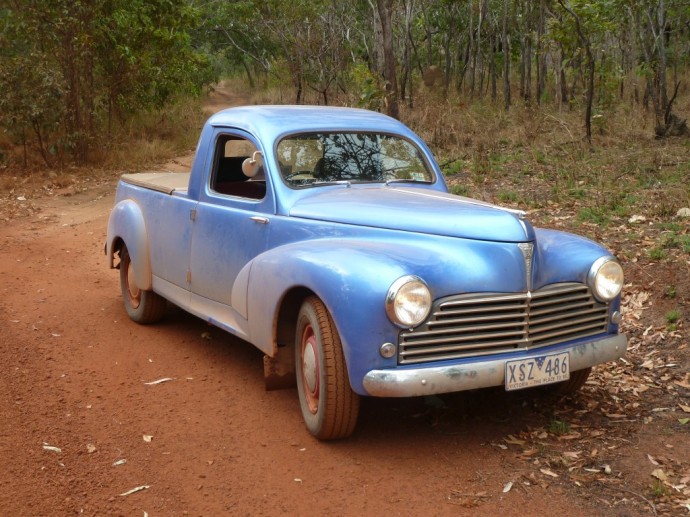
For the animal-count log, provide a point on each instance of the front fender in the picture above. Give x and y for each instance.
(127, 223)
(350, 280)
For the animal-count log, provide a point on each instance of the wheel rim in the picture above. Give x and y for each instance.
(133, 292)
(310, 368)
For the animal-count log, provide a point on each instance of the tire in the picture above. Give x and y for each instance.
(141, 306)
(329, 406)
(572, 385)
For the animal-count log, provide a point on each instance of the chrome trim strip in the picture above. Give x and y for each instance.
(411, 382)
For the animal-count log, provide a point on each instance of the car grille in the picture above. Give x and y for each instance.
(490, 323)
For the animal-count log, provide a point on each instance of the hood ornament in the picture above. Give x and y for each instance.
(527, 250)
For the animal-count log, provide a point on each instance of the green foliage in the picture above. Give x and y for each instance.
(371, 91)
(672, 316)
(71, 68)
(508, 197)
(657, 253)
(659, 489)
(559, 427)
(459, 189)
(593, 215)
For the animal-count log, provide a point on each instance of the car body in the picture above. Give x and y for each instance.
(327, 238)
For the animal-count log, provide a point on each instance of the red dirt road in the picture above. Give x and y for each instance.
(74, 374)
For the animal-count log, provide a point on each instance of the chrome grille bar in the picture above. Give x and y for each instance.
(486, 323)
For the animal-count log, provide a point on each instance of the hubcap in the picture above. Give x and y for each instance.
(310, 369)
(132, 289)
(309, 365)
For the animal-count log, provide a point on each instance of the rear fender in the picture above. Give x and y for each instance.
(127, 223)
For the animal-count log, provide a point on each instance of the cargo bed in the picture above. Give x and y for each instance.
(166, 182)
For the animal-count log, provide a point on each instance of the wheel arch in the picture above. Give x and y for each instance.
(286, 319)
(279, 367)
(127, 227)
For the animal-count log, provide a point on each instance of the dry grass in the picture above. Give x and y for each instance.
(527, 157)
(531, 157)
(144, 140)
(153, 138)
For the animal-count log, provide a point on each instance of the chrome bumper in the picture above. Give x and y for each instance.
(482, 374)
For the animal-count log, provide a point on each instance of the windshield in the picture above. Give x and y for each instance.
(325, 158)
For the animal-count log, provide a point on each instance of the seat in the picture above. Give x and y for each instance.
(321, 169)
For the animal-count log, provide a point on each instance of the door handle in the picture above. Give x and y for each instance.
(259, 219)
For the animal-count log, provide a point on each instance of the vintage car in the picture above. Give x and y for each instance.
(327, 238)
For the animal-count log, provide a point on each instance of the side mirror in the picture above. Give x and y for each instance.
(251, 166)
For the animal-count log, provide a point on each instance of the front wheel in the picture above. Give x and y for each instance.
(329, 406)
(576, 381)
(141, 306)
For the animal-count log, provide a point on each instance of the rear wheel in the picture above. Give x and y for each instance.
(329, 406)
(141, 306)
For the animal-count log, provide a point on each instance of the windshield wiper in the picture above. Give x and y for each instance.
(403, 180)
(331, 182)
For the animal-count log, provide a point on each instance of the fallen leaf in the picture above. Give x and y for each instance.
(51, 448)
(683, 421)
(507, 487)
(513, 441)
(652, 460)
(686, 409)
(147, 438)
(159, 381)
(548, 472)
(135, 490)
(659, 474)
(119, 462)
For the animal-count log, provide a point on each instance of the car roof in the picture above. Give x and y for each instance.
(276, 121)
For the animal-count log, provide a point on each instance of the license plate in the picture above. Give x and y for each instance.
(537, 371)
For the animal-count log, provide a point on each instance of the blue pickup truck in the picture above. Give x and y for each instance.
(326, 237)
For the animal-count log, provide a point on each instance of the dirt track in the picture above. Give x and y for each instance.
(80, 427)
(74, 377)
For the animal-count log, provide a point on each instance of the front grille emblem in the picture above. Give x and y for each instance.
(527, 250)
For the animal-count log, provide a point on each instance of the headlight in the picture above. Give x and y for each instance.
(408, 302)
(606, 278)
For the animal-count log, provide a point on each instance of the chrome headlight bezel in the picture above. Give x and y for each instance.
(408, 301)
(605, 279)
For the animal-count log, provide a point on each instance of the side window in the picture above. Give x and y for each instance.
(227, 177)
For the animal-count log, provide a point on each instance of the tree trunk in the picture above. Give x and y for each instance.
(591, 69)
(541, 54)
(473, 52)
(492, 65)
(385, 10)
(527, 58)
(506, 57)
(663, 95)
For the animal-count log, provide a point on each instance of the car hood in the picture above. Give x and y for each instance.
(413, 210)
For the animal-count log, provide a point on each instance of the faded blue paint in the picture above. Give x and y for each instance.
(345, 243)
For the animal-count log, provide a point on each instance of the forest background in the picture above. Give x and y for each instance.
(566, 104)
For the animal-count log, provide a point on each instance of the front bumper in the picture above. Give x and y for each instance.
(483, 373)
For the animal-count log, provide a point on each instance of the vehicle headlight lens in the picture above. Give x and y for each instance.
(606, 279)
(408, 302)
